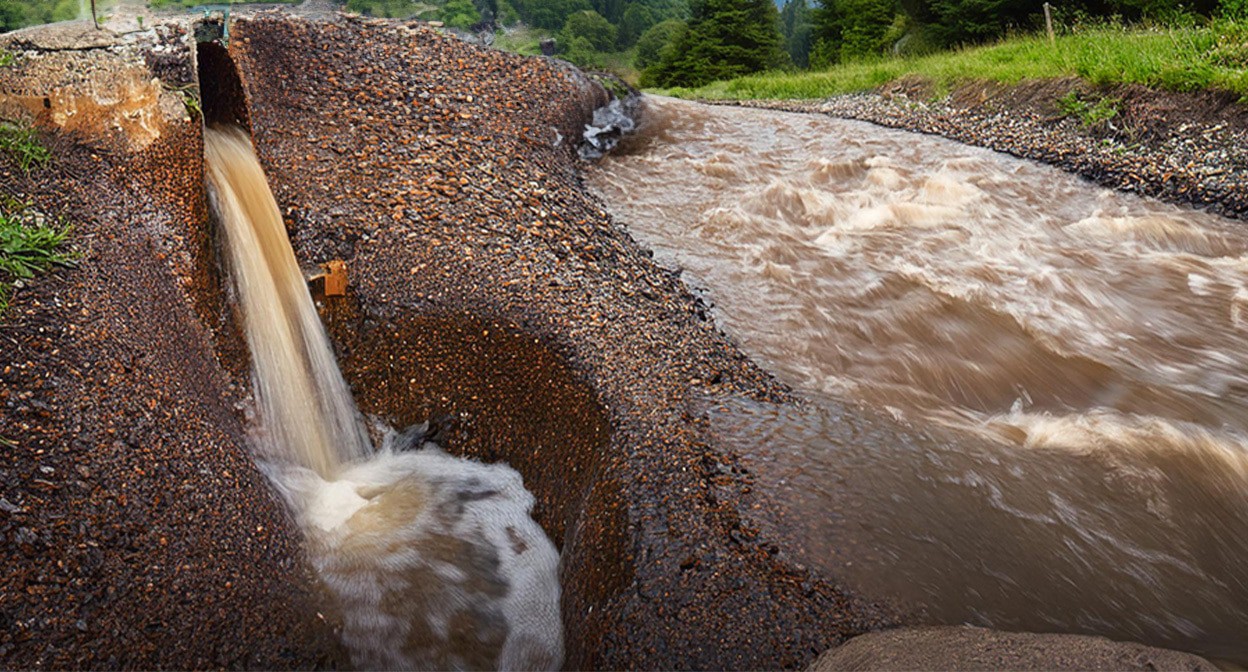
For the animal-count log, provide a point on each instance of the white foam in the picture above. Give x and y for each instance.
(435, 561)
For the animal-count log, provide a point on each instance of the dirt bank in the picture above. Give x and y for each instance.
(135, 531)
(1184, 148)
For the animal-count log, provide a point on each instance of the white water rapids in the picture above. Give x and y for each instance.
(434, 560)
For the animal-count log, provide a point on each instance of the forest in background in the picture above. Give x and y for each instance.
(691, 43)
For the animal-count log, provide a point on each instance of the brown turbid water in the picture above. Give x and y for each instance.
(433, 560)
(1029, 394)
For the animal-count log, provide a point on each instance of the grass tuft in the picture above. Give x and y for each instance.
(29, 245)
(1090, 114)
(21, 141)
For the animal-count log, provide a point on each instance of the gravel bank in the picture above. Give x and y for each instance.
(1189, 149)
(135, 531)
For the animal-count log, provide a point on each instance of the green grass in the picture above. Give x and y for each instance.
(1092, 113)
(21, 142)
(527, 41)
(1174, 59)
(29, 245)
(521, 40)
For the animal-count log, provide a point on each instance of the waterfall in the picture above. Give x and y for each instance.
(433, 559)
(305, 405)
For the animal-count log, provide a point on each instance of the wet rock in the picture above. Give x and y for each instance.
(412, 438)
(609, 125)
(968, 648)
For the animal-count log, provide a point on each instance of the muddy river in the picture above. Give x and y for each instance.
(1028, 395)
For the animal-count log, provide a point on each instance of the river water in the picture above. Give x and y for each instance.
(433, 561)
(1028, 394)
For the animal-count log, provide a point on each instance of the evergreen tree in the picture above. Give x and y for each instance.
(724, 39)
(663, 10)
(849, 29)
(651, 44)
(637, 20)
(795, 25)
(973, 21)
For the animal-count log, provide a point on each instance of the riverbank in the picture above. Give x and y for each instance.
(487, 292)
(1183, 148)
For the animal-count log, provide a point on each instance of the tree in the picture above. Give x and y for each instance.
(582, 53)
(848, 29)
(666, 9)
(652, 42)
(613, 10)
(974, 21)
(460, 14)
(549, 14)
(507, 14)
(591, 27)
(637, 19)
(795, 25)
(16, 14)
(724, 39)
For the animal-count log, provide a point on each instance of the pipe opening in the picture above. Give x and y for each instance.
(221, 90)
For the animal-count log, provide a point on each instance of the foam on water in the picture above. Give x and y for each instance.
(434, 560)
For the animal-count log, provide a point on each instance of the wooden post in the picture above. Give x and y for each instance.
(1048, 23)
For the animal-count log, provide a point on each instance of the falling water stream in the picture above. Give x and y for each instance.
(433, 559)
(1029, 395)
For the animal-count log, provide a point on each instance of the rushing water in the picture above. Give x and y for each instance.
(434, 560)
(1030, 393)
